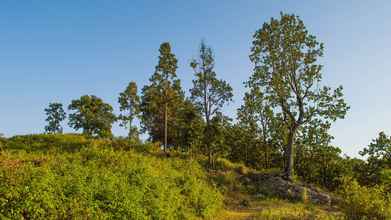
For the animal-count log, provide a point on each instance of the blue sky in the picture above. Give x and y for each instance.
(60, 50)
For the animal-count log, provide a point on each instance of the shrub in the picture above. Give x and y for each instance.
(47, 142)
(360, 202)
(223, 164)
(100, 183)
(3, 142)
(385, 178)
(74, 142)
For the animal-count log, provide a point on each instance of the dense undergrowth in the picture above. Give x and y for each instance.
(78, 181)
(74, 177)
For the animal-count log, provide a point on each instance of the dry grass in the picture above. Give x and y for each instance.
(274, 209)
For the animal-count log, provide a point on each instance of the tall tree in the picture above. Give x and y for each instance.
(161, 98)
(209, 94)
(55, 115)
(92, 115)
(129, 103)
(285, 58)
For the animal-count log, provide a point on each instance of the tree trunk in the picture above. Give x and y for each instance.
(290, 154)
(210, 159)
(207, 139)
(130, 135)
(165, 126)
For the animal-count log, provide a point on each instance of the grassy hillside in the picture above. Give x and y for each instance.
(74, 177)
(97, 182)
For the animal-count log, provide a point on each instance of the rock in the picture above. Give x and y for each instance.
(277, 186)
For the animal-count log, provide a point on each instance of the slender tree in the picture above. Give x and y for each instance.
(129, 103)
(161, 98)
(209, 94)
(92, 115)
(55, 115)
(285, 58)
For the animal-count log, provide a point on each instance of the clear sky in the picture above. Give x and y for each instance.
(60, 50)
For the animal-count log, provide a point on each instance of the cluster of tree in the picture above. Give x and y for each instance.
(165, 113)
(283, 123)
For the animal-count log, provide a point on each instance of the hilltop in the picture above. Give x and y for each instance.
(71, 176)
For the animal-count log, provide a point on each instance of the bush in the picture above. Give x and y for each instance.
(3, 142)
(223, 164)
(360, 202)
(47, 142)
(74, 142)
(385, 178)
(100, 183)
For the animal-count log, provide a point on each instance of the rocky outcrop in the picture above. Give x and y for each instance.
(275, 185)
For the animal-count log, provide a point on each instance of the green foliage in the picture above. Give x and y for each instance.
(379, 149)
(55, 115)
(327, 170)
(74, 143)
(360, 202)
(130, 107)
(162, 99)
(378, 155)
(98, 183)
(385, 179)
(3, 141)
(209, 95)
(189, 128)
(48, 142)
(288, 75)
(92, 115)
(222, 164)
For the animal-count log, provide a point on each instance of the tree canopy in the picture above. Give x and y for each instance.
(286, 69)
(92, 115)
(129, 102)
(161, 98)
(55, 115)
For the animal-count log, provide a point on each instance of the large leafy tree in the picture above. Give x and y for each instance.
(162, 98)
(55, 115)
(209, 94)
(92, 115)
(129, 103)
(286, 69)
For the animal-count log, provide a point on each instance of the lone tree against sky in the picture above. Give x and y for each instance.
(285, 59)
(55, 115)
(92, 115)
